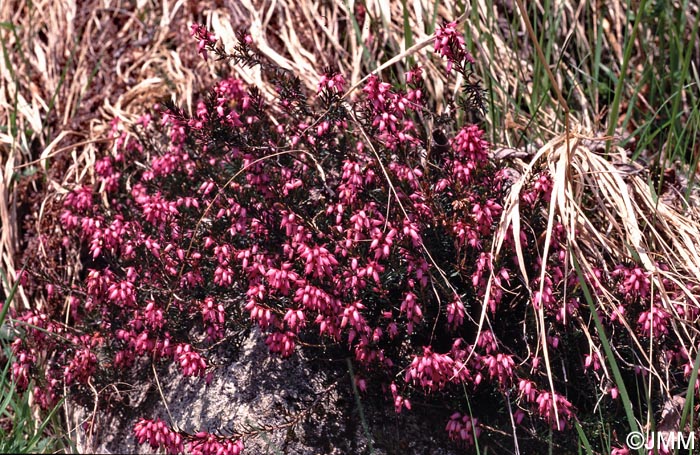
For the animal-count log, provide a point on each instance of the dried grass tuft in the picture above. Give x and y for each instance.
(611, 217)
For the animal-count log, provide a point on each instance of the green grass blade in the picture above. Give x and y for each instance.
(690, 393)
(583, 440)
(10, 296)
(615, 109)
(360, 410)
(407, 33)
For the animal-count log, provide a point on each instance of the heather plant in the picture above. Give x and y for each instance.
(340, 220)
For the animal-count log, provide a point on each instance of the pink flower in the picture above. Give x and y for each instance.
(81, 367)
(213, 315)
(399, 401)
(528, 390)
(432, 371)
(158, 435)
(295, 319)
(282, 343)
(410, 307)
(463, 428)
(592, 360)
(546, 409)
(500, 367)
(204, 443)
(455, 313)
(654, 321)
(332, 82)
(470, 146)
(449, 43)
(206, 39)
(191, 363)
(320, 262)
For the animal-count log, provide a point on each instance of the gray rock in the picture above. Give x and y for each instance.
(297, 406)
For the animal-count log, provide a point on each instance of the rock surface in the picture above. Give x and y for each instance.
(252, 390)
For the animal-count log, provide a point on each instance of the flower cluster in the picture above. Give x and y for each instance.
(204, 38)
(204, 443)
(431, 371)
(160, 436)
(449, 43)
(463, 428)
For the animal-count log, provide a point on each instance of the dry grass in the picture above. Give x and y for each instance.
(69, 69)
(611, 217)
